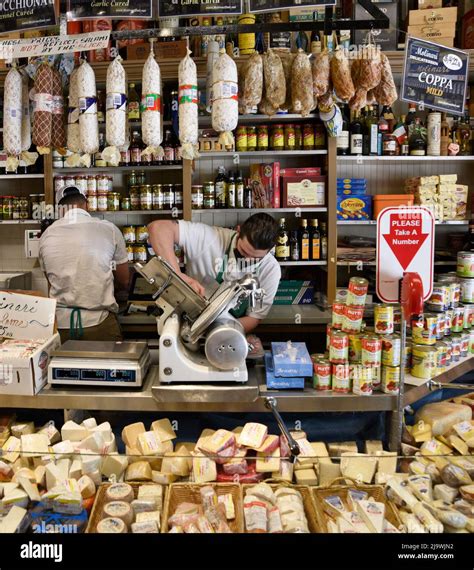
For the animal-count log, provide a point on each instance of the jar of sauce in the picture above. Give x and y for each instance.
(277, 139)
(262, 137)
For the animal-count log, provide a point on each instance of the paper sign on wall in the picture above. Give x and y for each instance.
(25, 317)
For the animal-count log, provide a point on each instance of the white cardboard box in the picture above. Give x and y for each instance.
(27, 376)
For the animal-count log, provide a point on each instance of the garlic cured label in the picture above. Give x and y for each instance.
(43, 103)
(151, 102)
(116, 101)
(88, 105)
(225, 90)
(188, 94)
(73, 115)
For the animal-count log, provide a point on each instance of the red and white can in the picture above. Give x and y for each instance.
(352, 319)
(338, 310)
(376, 377)
(371, 353)
(341, 378)
(322, 375)
(339, 348)
(357, 291)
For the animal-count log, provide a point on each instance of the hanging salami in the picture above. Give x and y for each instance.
(341, 75)
(88, 123)
(302, 85)
(58, 133)
(386, 91)
(116, 111)
(25, 116)
(12, 114)
(321, 68)
(73, 131)
(225, 107)
(151, 107)
(274, 76)
(188, 108)
(43, 109)
(252, 83)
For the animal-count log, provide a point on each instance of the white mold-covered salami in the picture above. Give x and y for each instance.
(225, 106)
(88, 123)
(26, 116)
(188, 108)
(252, 83)
(302, 85)
(152, 124)
(116, 114)
(275, 81)
(12, 112)
(73, 131)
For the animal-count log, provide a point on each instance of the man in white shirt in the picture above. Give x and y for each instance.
(82, 257)
(214, 255)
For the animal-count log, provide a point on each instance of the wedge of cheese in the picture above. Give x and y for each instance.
(73, 431)
(458, 444)
(131, 432)
(164, 429)
(373, 514)
(253, 435)
(359, 466)
(149, 443)
(268, 463)
(421, 487)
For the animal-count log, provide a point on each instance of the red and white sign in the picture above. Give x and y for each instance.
(405, 242)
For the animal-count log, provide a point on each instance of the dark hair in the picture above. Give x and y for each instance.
(261, 230)
(72, 196)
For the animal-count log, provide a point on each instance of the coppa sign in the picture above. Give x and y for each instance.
(435, 76)
(405, 242)
(25, 317)
(17, 15)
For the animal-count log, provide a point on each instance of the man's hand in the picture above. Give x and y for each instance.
(194, 284)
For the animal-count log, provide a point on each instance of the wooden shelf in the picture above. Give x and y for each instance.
(262, 153)
(137, 212)
(21, 176)
(26, 222)
(256, 210)
(262, 119)
(374, 223)
(361, 158)
(301, 263)
(97, 170)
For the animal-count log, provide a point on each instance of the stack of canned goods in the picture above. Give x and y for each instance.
(465, 272)
(18, 207)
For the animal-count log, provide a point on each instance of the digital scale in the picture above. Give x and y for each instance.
(91, 363)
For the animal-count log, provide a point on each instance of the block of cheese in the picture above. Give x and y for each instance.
(358, 466)
(86, 487)
(120, 510)
(16, 521)
(164, 429)
(372, 446)
(421, 487)
(51, 431)
(333, 505)
(16, 497)
(268, 463)
(228, 502)
(89, 423)
(31, 489)
(53, 476)
(73, 431)
(442, 416)
(344, 527)
(113, 464)
(328, 471)
(465, 430)
(175, 464)
(306, 477)
(307, 457)
(337, 449)
(445, 493)
(218, 441)
(18, 429)
(463, 462)
(63, 449)
(412, 524)
(149, 516)
(163, 478)
(373, 514)
(458, 444)
(111, 525)
(147, 527)
(90, 462)
(434, 447)
(75, 471)
(388, 528)
(431, 524)
(40, 475)
(270, 444)
(93, 442)
(253, 435)
(149, 443)
(64, 465)
(319, 449)
(204, 470)
(119, 492)
(131, 432)
(24, 473)
(421, 432)
(9, 487)
(138, 471)
(286, 471)
(354, 495)
(298, 434)
(387, 461)
(400, 494)
(184, 450)
(355, 520)
(11, 449)
(155, 491)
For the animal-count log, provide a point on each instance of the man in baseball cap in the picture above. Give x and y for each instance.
(83, 258)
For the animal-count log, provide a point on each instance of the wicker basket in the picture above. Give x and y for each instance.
(100, 501)
(308, 501)
(376, 492)
(191, 493)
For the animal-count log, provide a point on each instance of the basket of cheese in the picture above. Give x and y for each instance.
(127, 507)
(203, 508)
(354, 508)
(279, 508)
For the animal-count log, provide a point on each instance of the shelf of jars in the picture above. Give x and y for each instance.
(261, 153)
(298, 211)
(301, 263)
(205, 120)
(171, 212)
(362, 263)
(24, 222)
(360, 158)
(99, 169)
(21, 176)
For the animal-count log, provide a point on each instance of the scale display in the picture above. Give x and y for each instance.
(91, 375)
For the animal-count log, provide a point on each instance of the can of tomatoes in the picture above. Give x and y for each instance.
(408, 355)
(442, 350)
(465, 344)
(338, 315)
(423, 331)
(352, 319)
(440, 326)
(339, 348)
(357, 291)
(361, 379)
(390, 379)
(456, 351)
(457, 324)
(371, 354)
(424, 362)
(355, 347)
(440, 298)
(322, 375)
(376, 372)
(329, 330)
(340, 378)
(449, 350)
(384, 321)
(391, 350)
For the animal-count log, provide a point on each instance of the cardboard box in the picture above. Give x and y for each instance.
(304, 191)
(27, 376)
(294, 292)
(163, 50)
(265, 184)
(385, 38)
(436, 16)
(433, 32)
(354, 207)
(274, 383)
(287, 364)
(428, 4)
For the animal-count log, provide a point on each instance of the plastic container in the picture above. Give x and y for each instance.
(382, 201)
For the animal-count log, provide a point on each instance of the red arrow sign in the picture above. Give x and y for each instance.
(405, 237)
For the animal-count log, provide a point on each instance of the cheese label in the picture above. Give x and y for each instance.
(335, 503)
(373, 514)
(149, 443)
(253, 435)
(465, 430)
(354, 496)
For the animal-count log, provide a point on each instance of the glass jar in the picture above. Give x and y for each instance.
(251, 139)
(241, 141)
(142, 234)
(81, 183)
(319, 136)
(34, 205)
(8, 207)
(129, 234)
(141, 178)
(110, 183)
(389, 143)
(59, 183)
(139, 253)
(277, 138)
(92, 202)
(102, 183)
(308, 136)
(69, 180)
(125, 204)
(58, 161)
(132, 179)
(113, 201)
(209, 196)
(24, 203)
(91, 184)
(134, 197)
(130, 252)
(157, 191)
(168, 196)
(158, 157)
(15, 209)
(298, 137)
(178, 196)
(24, 214)
(197, 197)
(146, 197)
(262, 137)
(102, 200)
(290, 137)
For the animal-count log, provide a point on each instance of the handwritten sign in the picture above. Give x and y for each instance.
(123, 9)
(276, 5)
(176, 8)
(24, 317)
(26, 15)
(435, 76)
(49, 45)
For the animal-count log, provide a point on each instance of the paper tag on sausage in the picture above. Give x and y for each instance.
(116, 101)
(88, 105)
(225, 90)
(43, 103)
(73, 115)
(151, 102)
(188, 94)
(57, 106)
(13, 113)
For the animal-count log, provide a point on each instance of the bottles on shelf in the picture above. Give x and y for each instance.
(282, 249)
(133, 104)
(304, 244)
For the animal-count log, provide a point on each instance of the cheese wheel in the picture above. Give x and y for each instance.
(120, 510)
(86, 486)
(119, 492)
(111, 525)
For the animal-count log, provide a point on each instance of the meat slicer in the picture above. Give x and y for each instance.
(200, 341)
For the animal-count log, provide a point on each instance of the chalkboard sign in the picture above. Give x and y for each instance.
(183, 8)
(435, 76)
(126, 9)
(19, 16)
(275, 5)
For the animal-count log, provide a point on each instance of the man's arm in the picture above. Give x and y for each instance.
(249, 323)
(122, 277)
(163, 235)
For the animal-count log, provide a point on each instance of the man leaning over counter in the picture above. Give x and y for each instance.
(215, 254)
